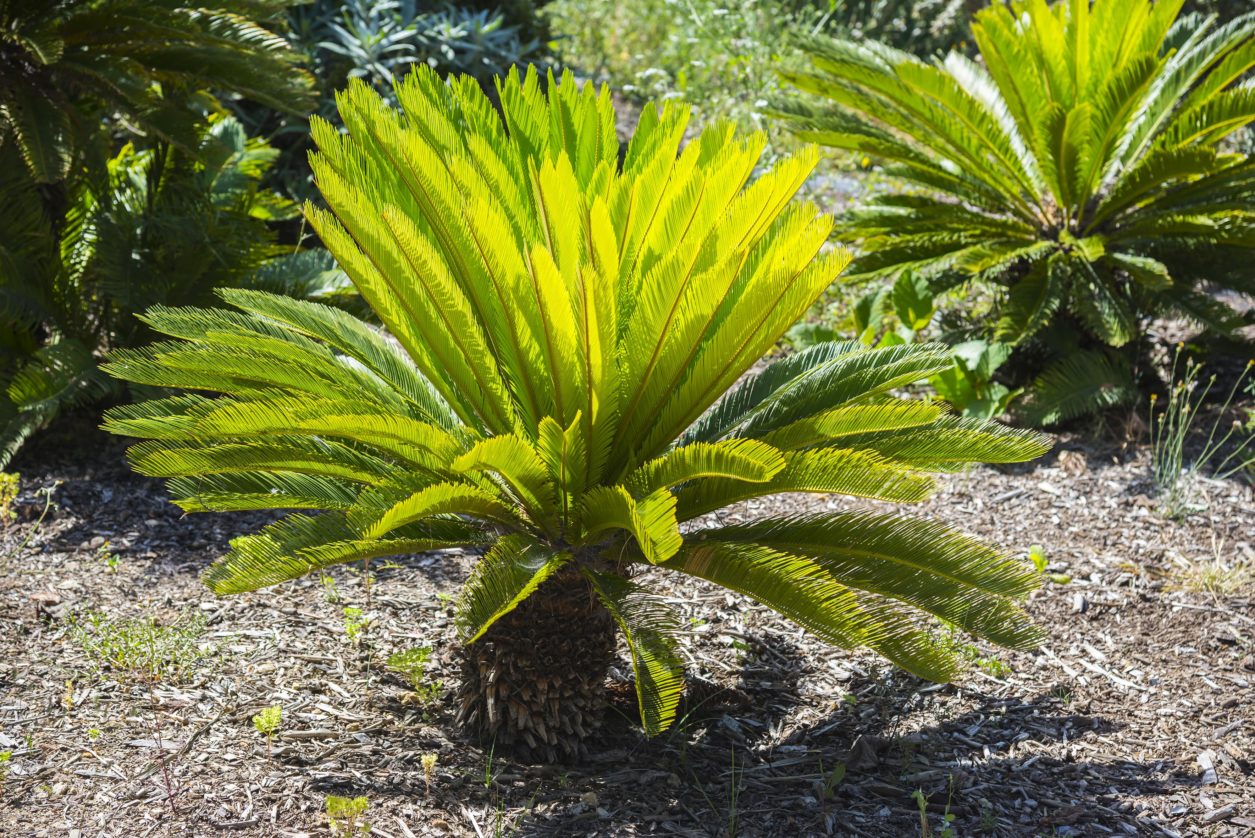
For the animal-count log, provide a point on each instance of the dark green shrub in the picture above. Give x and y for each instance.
(162, 225)
(67, 64)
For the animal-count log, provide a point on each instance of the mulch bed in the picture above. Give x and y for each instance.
(1136, 718)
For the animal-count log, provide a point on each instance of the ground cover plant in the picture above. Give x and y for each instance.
(723, 57)
(1079, 175)
(564, 392)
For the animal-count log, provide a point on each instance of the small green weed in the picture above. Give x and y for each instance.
(1037, 555)
(267, 723)
(429, 768)
(1220, 575)
(490, 776)
(141, 647)
(411, 664)
(1175, 479)
(355, 624)
(9, 486)
(47, 492)
(110, 558)
(148, 652)
(1061, 693)
(952, 638)
(832, 779)
(988, 820)
(346, 816)
(925, 826)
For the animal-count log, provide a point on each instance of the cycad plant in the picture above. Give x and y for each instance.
(66, 64)
(562, 385)
(161, 225)
(1077, 170)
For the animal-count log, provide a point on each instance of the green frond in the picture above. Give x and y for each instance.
(67, 60)
(353, 338)
(844, 471)
(793, 585)
(506, 575)
(188, 458)
(1031, 301)
(920, 563)
(802, 591)
(842, 377)
(755, 389)
(953, 442)
(242, 491)
(855, 420)
(298, 545)
(651, 521)
(517, 463)
(1079, 383)
(1099, 305)
(40, 126)
(437, 500)
(565, 454)
(734, 459)
(54, 379)
(649, 629)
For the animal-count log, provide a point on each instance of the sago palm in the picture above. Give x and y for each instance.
(562, 386)
(1078, 169)
(66, 63)
(162, 225)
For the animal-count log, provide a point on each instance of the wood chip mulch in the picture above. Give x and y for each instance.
(1136, 718)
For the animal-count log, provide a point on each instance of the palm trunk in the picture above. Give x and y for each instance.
(535, 683)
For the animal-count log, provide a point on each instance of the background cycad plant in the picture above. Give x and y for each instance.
(1079, 170)
(562, 387)
(66, 64)
(160, 225)
(91, 230)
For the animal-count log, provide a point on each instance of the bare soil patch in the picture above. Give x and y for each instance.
(1136, 718)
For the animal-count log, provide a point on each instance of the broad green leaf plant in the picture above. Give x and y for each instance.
(1080, 170)
(563, 386)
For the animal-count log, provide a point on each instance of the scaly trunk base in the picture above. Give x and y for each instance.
(535, 683)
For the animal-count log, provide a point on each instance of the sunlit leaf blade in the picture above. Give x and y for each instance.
(506, 575)
(301, 544)
(649, 628)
